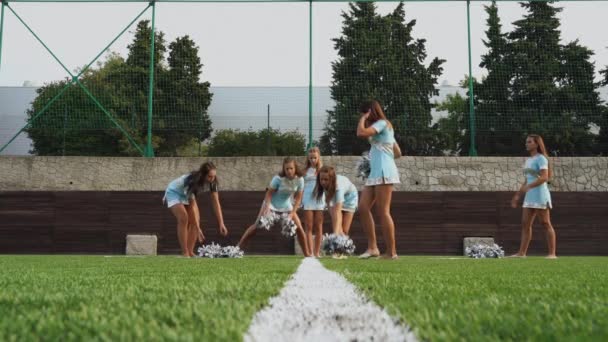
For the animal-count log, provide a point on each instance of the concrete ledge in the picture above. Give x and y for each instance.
(254, 173)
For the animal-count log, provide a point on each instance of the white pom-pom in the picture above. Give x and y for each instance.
(480, 251)
(216, 251)
(364, 166)
(337, 244)
(288, 226)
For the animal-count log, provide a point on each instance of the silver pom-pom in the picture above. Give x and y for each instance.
(337, 244)
(216, 251)
(288, 226)
(364, 166)
(481, 250)
(266, 221)
(231, 252)
(210, 251)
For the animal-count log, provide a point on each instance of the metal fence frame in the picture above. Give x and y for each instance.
(148, 150)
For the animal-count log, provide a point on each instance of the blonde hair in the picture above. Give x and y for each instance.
(319, 162)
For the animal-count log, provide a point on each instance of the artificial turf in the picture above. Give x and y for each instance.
(90, 298)
(458, 299)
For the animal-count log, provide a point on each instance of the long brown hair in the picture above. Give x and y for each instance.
(540, 148)
(196, 180)
(319, 162)
(330, 191)
(287, 160)
(376, 112)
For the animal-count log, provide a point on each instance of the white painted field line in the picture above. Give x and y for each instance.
(320, 305)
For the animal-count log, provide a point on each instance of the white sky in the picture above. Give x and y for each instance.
(259, 44)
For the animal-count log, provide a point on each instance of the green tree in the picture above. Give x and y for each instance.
(234, 142)
(450, 128)
(379, 58)
(181, 109)
(493, 106)
(74, 125)
(534, 85)
(139, 49)
(553, 92)
(602, 139)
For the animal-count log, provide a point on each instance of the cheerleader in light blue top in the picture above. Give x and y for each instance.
(537, 199)
(282, 199)
(180, 197)
(374, 126)
(341, 197)
(313, 207)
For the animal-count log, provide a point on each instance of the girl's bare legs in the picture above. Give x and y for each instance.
(383, 208)
(193, 225)
(332, 213)
(318, 229)
(347, 220)
(365, 212)
(249, 233)
(301, 236)
(180, 213)
(308, 224)
(527, 219)
(545, 221)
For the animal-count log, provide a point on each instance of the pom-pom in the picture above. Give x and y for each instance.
(288, 226)
(337, 244)
(364, 166)
(481, 250)
(216, 251)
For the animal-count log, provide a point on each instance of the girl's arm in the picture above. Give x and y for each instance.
(517, 195)
(267, 198)
(544, 177)
(217, 209)
(297, 200)
(197, 219)
(396, 150)
(362, 131)
(337, 218)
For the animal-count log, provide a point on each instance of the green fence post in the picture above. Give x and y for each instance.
(1, 31)
(149, 149)
(472, 149)
(309, 74)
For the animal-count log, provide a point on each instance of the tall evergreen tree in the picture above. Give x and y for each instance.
(492, 94)
(602, 140)
(545, 98)
(139, 49)
(181, 110)
(379, 59)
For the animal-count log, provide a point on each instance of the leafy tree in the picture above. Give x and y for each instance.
(234, 142)
(380, 59)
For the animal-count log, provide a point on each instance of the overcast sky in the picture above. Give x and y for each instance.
(261, 44)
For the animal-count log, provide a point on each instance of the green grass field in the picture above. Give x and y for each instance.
(169, 298)
(531, 299)
(86, 298)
